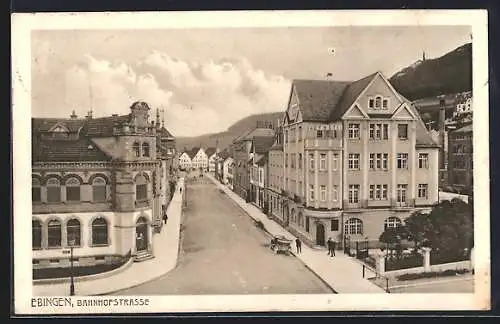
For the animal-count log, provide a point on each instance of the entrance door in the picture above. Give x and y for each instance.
(320, 234)
(141, 234)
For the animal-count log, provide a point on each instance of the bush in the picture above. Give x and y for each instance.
(414, 276)
(405, 262)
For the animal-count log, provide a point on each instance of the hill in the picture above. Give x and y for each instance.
(225, 138)
(450, 73)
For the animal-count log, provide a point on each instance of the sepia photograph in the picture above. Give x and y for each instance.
(250, 161)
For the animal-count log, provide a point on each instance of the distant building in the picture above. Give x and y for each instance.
(211, 153)
(227, 172)
(258, 170)
(199, 159)
(463, 104)
(98, 184)
(275, 180)
(460, 160)
(185, 161)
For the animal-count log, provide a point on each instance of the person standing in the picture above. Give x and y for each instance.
(329, 245)
(165, 218)
(333, 247)
(298, 244)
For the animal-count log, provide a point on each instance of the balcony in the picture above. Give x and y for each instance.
(402, 205)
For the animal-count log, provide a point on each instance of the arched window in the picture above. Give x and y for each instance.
(145, 149)
(392, 222)
(353, 226)
(72, 189)
(36, 190)
(54, 233)
(53, 190)
(73, 231)
(378, 102)
(301, 220)
(99, 231)
(98, 189)
(141, 187)
(36, 227)
(137, 149)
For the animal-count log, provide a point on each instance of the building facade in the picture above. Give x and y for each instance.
(185, 161)
(460, 160)
(99, 185)
(199, 159)
(275, 173)
(357, 158)
(212, 157)
(227, 172)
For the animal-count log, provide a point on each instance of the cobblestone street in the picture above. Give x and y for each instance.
(223, 252)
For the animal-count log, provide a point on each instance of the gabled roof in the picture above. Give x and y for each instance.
(261, 160)
(192, 153)
(165, 133)
(45, 124)
(209, 151)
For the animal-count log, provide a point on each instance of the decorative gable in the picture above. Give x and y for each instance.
(403, 113)
(293, 106)
(354, 113)
(379, 97)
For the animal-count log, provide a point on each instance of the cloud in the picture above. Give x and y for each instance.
(198, 97)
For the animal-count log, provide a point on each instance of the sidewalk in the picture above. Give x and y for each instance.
(165, 250)
(341, 273)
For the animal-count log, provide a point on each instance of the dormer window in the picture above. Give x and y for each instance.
(371, 103)
(385, 104)
(378, 102)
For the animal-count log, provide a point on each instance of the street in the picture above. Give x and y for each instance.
(223, 252)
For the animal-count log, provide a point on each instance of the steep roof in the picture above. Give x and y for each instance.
(82, 149)
(192, 153)
(317, 98)
(209, 151)
(45, 124)
(262, 160)
(261, 144)
(165, 133)
(103, 126)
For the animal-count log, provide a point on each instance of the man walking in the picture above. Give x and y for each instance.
(329, 245)
(165, 218)
(298, 244)
(333, 247)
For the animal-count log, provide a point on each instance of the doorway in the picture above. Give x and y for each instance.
(320, 234)
(141, 234)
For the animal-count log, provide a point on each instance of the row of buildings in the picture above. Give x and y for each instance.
(198, 158)
(100, 185)
(346, 160)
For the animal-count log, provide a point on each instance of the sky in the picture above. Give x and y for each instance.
(204, 80)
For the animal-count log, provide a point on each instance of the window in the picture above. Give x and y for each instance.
(73, 232)
(392, 222)
(311, 192)
(261, 176)
(335, 193)
(311, 161)
(335, 161)
(36, 190)
(378, 131)
(98, 189)
(423, 160)
(403, 131)
(354, 194)
(145, 149)
(378, 192)
(300, 160)
(385, 104)
(370, 103)
(299, 133)
(353, 226)
(36, 236)
(53, 190)
(353, 161)
(372, 161)
(372, 192)
(378, 102)
(99, 231)
(73, 189)
(334, 225)
(402, 160)
(137, 149)
(286, 160)
(323, 192)
(353, 131)
(385, 161)
(422, 190)
(384, 192)
(319, 133)
(54, 233)
(401, 193)
(322, 162)
(141, 187)
(385, 131)
(307, 224)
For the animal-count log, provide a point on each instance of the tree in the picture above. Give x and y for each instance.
(392, 236)
(418, 227)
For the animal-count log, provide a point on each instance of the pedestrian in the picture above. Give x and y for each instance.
(298, 244)
(165, 218)
(329, 245)
(333, 247)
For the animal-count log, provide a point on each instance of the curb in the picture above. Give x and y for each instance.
(291, 252)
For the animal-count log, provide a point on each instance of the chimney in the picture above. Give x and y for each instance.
(442, 117)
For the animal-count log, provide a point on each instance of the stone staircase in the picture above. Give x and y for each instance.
(143, 256)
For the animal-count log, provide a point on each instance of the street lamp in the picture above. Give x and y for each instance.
(72, 281)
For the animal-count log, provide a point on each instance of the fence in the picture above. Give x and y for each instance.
(378, 279)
